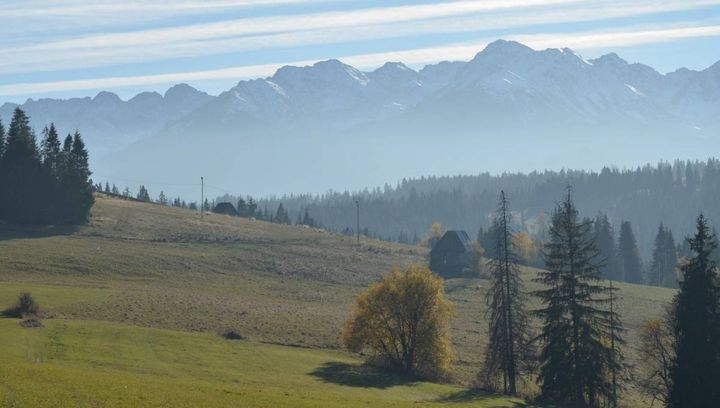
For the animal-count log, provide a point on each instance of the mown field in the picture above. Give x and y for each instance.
(137, 299)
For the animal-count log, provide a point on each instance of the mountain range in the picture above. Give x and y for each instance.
(331, 125)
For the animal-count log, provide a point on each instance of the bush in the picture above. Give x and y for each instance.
(31, 322)
(25, 306)
(402, 322)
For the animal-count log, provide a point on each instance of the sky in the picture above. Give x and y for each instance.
(75, 48)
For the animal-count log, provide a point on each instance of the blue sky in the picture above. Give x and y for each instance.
(69, 48)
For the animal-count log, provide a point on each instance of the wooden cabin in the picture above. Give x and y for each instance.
(454, 256)
(225, 208)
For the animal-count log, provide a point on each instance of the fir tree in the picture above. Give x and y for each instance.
(605, 241)
(629, 254)
(162, 199)
(143, 194)
(664, 259)
(76, 184)
(50, 151)
(695, 372)
(578, 336)
(508, 348)
(21, 183)
(2, 140)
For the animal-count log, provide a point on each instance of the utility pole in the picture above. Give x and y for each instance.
(202, 196)
(613, 402)
(357, 219)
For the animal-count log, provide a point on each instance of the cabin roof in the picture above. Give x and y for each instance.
(454, 241)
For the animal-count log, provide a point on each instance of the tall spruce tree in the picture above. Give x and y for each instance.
(20, 175)
(76, 183)
(605, 242)
(695, 372)
(629, 254)
(143, 194)
(2, 140)
(664, 259)
(508, 350)
(50, 150)
(580, 335)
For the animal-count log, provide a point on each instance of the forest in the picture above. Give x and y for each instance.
(46, 184)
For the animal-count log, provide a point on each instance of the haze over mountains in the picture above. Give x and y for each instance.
(332, 126)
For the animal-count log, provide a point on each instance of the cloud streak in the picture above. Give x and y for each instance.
(316, 29)
(463, 51)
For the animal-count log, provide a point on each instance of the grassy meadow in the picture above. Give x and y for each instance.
(136, 301)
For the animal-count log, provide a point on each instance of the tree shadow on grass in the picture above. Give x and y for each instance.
(464, 396)
(12, 231)
(359, 376)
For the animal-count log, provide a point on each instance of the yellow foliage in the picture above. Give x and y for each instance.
(436, 232)
(525, 246)
(403, 322)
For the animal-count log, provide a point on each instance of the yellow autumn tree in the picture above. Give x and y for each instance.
(402, 322)
(526, 247)
(436, 232)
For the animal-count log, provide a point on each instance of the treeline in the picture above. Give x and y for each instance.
(45, 184)
(643, 197)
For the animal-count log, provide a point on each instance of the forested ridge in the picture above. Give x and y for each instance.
(671, 193)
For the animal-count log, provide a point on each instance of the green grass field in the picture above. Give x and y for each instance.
(137, 299)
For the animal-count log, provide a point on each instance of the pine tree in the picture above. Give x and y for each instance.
(2, 140)
(281, 215)
(664, 259)
(629, 254)
(50, 151)
(605, 241)
(508, 347)
(578, 336)
(143, 194)
(21, 180)
(75, 183)
(695, 372)
(162, 199)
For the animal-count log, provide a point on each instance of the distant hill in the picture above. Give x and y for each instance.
(330, 125)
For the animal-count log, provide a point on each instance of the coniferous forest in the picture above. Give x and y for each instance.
(629, 204)
(45, 184)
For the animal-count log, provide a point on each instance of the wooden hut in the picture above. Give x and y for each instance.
(225, 208)
(454, 256)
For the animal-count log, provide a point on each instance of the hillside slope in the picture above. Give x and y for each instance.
(144, 265)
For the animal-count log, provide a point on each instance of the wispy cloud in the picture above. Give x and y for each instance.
(318, 28)
(49, 9)
(464, 51)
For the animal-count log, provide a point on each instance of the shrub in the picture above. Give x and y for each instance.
(31, 322)
(402, 322)
(25, 306)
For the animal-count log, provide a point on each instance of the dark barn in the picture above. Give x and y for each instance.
(454, 256)
(225, 208)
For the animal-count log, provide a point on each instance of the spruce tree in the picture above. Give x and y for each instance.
(629, 254)
(143, 194)
(580, 336)
(21, 175)
(664, 259)
(2, 140)
(695, 372)
(605, 241)
(50, 150)
(508, 347)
